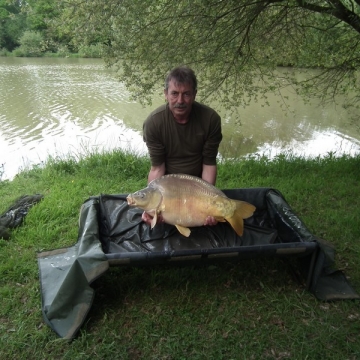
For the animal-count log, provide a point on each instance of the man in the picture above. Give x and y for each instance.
(182, 136)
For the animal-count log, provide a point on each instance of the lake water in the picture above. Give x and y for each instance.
(56, 107)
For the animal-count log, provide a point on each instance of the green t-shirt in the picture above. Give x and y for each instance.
(184, 148)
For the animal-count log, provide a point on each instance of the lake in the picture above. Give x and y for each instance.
(59, 107)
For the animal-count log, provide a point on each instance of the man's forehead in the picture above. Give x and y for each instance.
(180, 85)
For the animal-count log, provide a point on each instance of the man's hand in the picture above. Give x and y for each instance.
(210, 221)
(146, 218)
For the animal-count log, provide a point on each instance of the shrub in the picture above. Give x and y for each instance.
(31, 44)
(90, 51)
(4, 52)
(63, 50)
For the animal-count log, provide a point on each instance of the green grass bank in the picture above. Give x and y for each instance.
(250, 310)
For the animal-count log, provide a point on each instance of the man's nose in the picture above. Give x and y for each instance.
(180, 98)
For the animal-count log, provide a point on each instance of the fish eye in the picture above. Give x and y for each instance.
(140, 194)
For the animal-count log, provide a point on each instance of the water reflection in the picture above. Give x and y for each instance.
(61, 106)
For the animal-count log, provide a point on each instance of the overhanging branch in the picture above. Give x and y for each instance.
(337, 10)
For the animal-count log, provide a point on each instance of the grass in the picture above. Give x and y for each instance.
(249, 310)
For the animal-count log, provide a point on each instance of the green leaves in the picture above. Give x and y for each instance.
(233, 46)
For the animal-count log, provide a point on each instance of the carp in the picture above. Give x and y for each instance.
(186, 201)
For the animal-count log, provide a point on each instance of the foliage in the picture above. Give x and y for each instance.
(90, 51)
(16, 17)
(4, 52)
(253, 309)
(12, 24)
(31, 44)
(39, 16)
(39, 12)
(62, 50)
(234, 46)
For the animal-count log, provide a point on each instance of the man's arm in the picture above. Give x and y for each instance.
(156, 172)
(210, 150)
(209, 173)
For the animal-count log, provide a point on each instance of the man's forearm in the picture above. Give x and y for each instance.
(209, 173)
(156, 172)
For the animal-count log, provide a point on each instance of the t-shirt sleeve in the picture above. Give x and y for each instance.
(212, 143)
(151, 136)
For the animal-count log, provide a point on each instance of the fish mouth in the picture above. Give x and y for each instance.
(130, 200)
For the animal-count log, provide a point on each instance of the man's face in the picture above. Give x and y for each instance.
(180, 97)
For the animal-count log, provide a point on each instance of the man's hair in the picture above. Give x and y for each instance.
(181, 75)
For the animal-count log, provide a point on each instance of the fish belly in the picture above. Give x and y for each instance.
(191, 208)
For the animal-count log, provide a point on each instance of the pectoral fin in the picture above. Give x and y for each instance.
(243, 211)
(154, 220)
(237, 224)
(183, 230)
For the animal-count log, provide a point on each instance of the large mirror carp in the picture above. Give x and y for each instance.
(186, 201)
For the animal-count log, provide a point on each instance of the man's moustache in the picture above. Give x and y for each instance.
(178, 106)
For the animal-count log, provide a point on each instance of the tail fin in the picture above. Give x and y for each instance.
(243, 211)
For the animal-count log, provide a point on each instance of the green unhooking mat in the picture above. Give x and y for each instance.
(111, 233)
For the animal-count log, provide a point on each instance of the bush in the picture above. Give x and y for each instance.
(4, 52)
(31, 44)
(63, 50)
(91, 51)
(19, 52)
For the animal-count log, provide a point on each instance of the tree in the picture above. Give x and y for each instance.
(12, 23)
(34, 16)
(39, 12)
(235, 46)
